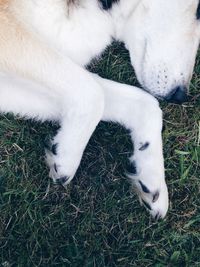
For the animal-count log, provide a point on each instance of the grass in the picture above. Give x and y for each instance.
(97, 221)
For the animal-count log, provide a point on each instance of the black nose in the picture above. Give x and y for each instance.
(178, 95)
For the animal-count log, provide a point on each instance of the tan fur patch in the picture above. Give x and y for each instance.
(4, 3)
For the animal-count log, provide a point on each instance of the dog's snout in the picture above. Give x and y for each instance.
(178, 95)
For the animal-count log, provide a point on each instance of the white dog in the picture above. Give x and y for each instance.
(44, 46)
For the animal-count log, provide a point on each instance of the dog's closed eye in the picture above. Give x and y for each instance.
(198, 11)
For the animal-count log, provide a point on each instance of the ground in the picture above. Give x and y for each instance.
(97, 221)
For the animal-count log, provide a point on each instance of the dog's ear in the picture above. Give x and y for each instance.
(198, 11)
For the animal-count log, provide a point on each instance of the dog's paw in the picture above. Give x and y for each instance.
(57, 167)
(152, 191)
(155, 202)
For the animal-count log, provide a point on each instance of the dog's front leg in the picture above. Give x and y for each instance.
(58, 89)
(140, 112)
(77, 125)
(77, 120)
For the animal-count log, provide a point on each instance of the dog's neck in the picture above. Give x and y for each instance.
(62, 25)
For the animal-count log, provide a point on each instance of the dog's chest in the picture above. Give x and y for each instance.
(80, 33)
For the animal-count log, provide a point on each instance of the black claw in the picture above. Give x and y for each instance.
(54, 149)
(55, 167)
(157, 217)
(131, 168)
(146, 205)
(144, 146)
(63, 180)
(156, 196)
(144, 188)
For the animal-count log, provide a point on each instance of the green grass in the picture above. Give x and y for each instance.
(98, 221)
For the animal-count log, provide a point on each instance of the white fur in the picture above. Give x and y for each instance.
(168, 35)
(43, 77)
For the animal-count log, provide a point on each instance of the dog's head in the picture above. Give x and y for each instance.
(162, 37)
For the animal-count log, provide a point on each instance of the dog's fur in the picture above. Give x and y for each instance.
(44, 46)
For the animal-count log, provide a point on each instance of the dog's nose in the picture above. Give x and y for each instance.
(178, 95)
